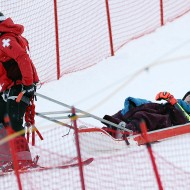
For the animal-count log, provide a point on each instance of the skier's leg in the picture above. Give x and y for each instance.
(5, 155)
(16, 113)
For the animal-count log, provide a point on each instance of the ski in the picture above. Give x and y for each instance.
(39, 168)
(65, 166)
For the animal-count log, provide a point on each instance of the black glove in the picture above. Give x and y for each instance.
(29, 90)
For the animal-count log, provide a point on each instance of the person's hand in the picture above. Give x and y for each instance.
(166, 96)
(29, 90)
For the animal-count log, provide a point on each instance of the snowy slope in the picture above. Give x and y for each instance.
(153, 63)
(156, 62)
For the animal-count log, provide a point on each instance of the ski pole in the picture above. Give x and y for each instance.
(30, 122)
(34, 129)
(38, 132)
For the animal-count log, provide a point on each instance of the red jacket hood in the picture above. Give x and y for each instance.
(9, 26)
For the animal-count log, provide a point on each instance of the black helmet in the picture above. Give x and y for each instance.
(2, 17)
(186, 95)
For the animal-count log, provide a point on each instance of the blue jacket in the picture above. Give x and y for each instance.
(184, 105)
(134, 102)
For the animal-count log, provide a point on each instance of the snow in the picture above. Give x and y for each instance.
(142, 68)
(156, 62)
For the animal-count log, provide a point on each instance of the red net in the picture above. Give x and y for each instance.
(67, 36)
(115, 164)
(83, 41)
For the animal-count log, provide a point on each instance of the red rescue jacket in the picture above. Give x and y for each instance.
(16, 67)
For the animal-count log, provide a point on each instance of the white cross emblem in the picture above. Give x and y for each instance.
(6, 42)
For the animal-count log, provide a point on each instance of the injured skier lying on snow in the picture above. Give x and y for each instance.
(156, 115)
